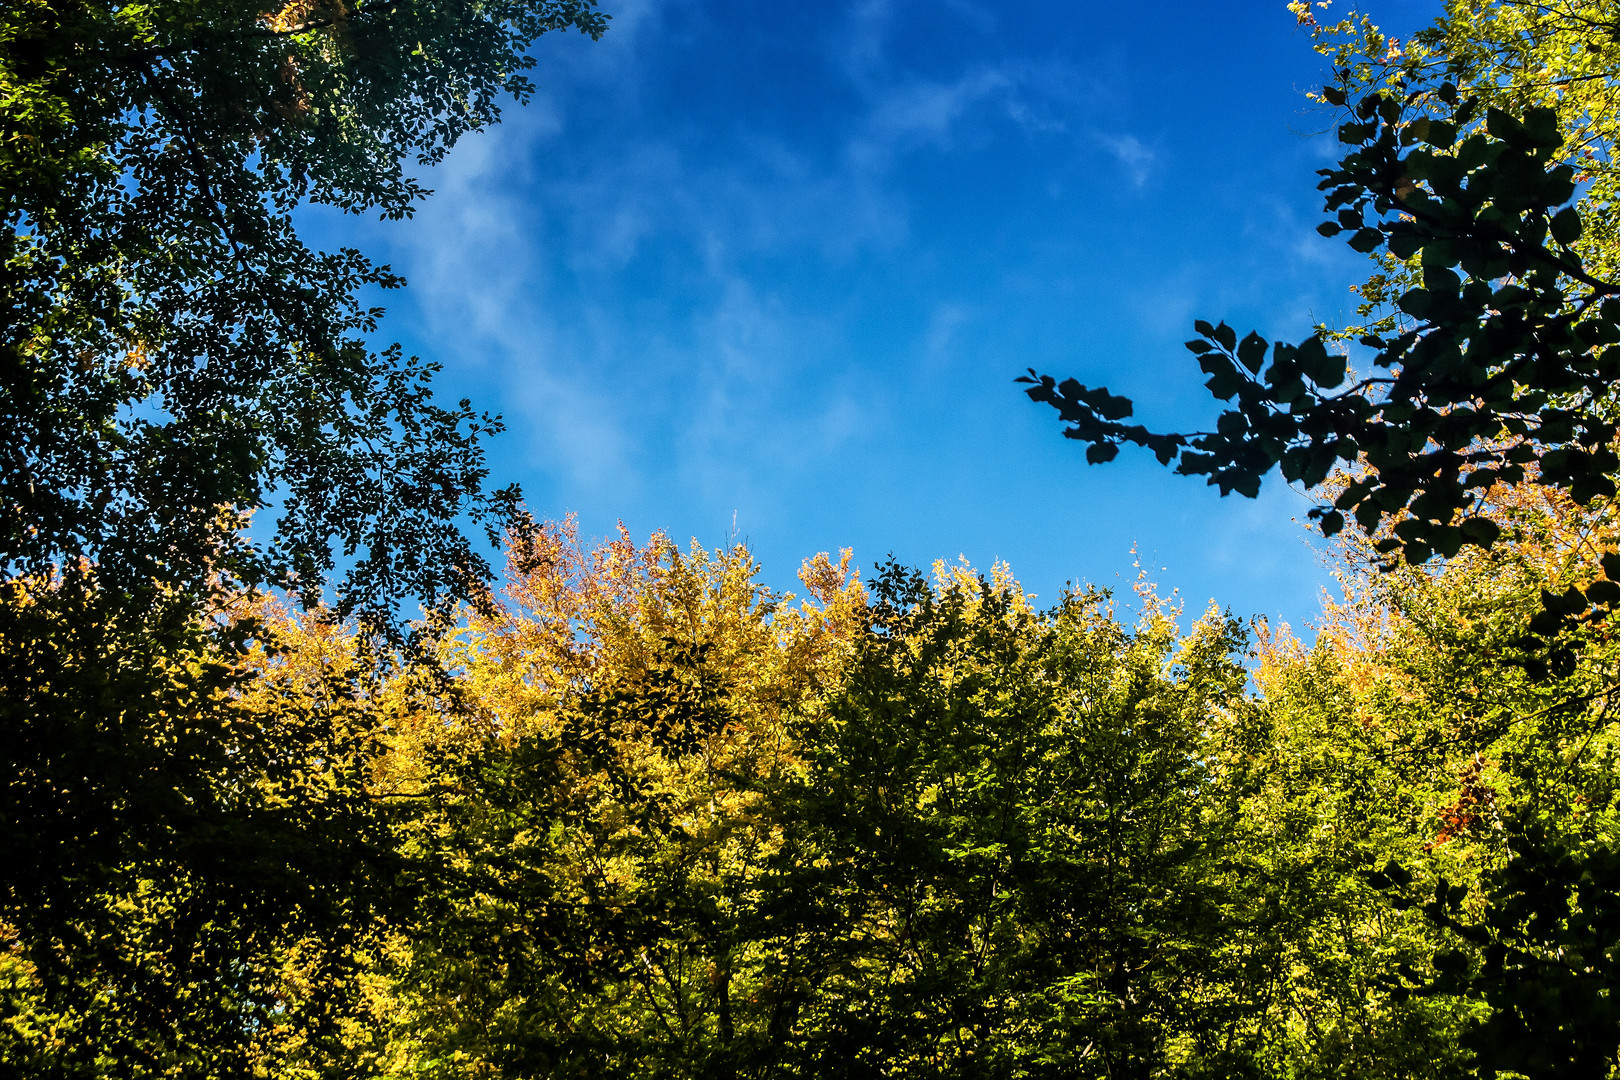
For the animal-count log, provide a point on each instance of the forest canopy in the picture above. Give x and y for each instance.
(653, 819)
(621, 809)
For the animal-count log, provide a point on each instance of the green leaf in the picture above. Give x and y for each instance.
(1440, 253)
(1546, 622)
(1481, 531)
(1325, 369)
(1569, 602)
(1223, 385)
(1440, 134)
(1504, 127)
(1557, 186)
(1404, 243)
(1441, 279)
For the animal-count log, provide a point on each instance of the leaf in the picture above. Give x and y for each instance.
(1224, 384)
(1541, 128)
(1416, 303)
(1603, 591)
(1440, 253)
(1446, 540)
(1099, 453)
(1566, 225)
(1325, 369)
(1569, 602)
(1404, 243)
(1502, 126)
(1108, 406)
(1252, 352)
(1440, 134)
(1441, 279)
(1164, 448)
(1480, 531)
(1366, 241)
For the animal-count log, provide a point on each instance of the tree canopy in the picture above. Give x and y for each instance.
(1480, 175)
(634, 814)
(653, 819)
(174, 358)
(187, 818)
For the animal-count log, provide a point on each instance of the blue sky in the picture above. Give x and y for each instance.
(773, 267)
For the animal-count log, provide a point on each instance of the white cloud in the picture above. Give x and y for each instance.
(519, 263)
(1137, 158)
(859, 50)
(924, 113)
(943, 323)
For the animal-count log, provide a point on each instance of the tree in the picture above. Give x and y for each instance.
(173, 358)
(1481, 177)
(601, 814)
(180, 827)
(187, 813)
(1008, 845)
(1500, 830)
(1480, 171)
(1547, 942)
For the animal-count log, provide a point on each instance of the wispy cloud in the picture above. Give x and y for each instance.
(527, 261)
(1137, 158)
(943, 324)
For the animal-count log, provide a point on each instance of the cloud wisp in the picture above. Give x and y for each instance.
(785, 262)
(529, 258)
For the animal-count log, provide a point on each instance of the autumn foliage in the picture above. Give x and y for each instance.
(638, 815)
